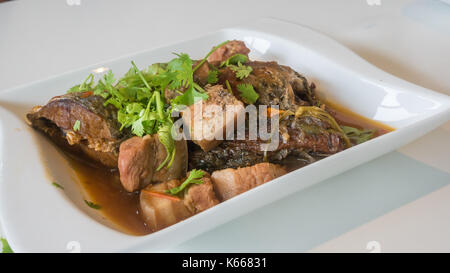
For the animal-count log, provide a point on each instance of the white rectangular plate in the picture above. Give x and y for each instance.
(38, 217)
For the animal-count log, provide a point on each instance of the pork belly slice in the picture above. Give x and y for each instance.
(161, 210)
(226, 51)
(231, 182)
(99, 135)
(208, 120)
(139, 157)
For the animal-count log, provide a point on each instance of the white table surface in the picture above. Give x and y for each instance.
(398, 202)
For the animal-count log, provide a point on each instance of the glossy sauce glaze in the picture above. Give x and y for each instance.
(122, 208)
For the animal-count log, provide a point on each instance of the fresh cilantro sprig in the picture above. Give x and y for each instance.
(194, 177)
(234, 60)
(235, 63)
(83, 87)
(241, 71)
(193, 92)
(248, 93)
(213, 76)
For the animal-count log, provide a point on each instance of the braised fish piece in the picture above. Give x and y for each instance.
(231, 182)
(275, 84)
(302, 137)
(232, 154)
(207, 120)
(160, 209)
(140, 157)
(82, 122)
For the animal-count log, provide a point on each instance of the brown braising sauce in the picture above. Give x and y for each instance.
(122, 208)
(117, 205)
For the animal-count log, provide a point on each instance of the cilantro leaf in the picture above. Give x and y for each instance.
(109, 78)
(189, 97)
(137, 127)
(180, 72)
(194, 177)
(5, 246)
(85, 86)
(234, 60)
(248, 93)
(242, 71)
(213, 76)
(77, 125)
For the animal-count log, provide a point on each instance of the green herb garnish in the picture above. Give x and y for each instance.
(358, 136)
(189, 97)
(241, 71)
(235, 63)
(248, 93)
(209, 53)
(5, 246)
(77, 126)
(227, 84)
(213, 76)
(85, 86)
(234, 60)
(194, 177)
(92, 205)
(57, 185)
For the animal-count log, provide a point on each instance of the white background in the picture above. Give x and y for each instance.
(409, 39)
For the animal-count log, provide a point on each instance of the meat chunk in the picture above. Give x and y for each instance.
(99, 134)
(137, 162)
(231, 182)
(199, 197)
(140, 157)
(226, 51)
(160, 210)
(276, 85)
(208, 120)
